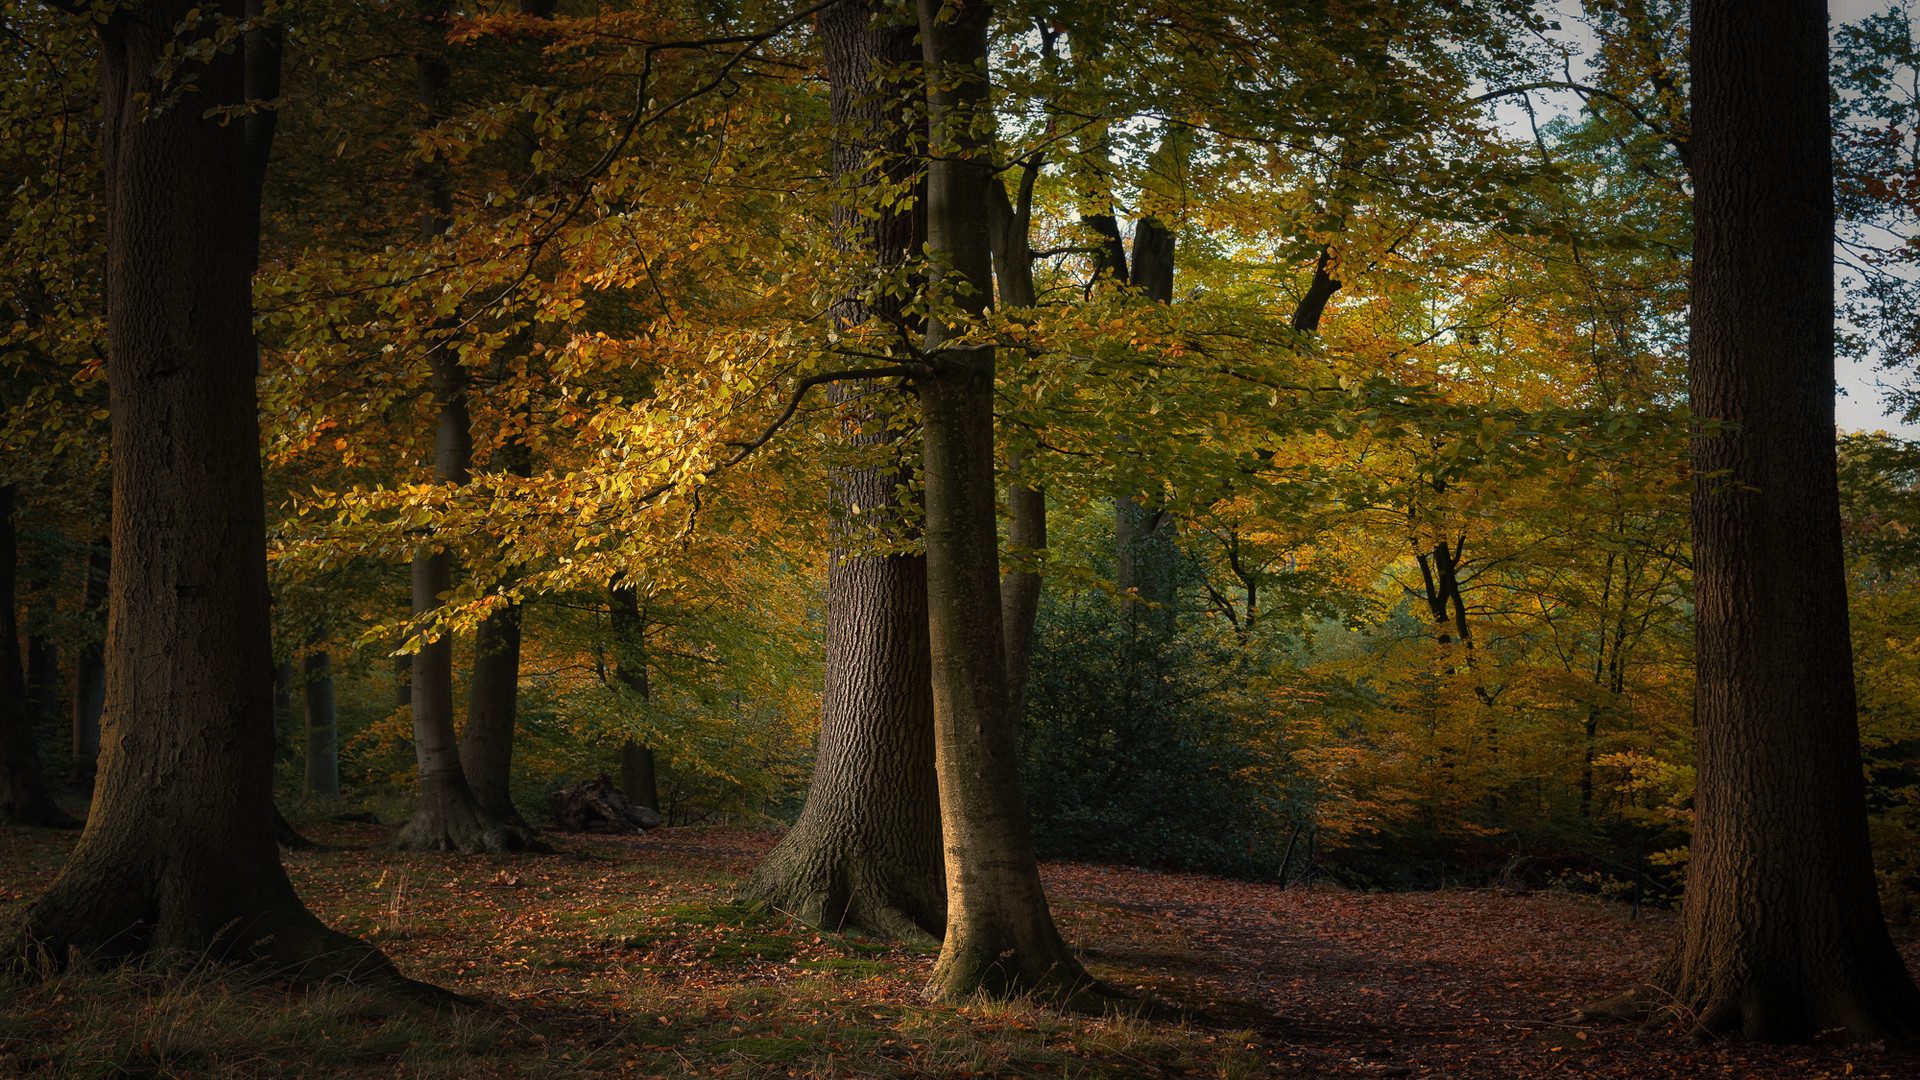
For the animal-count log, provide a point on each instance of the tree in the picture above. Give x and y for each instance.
(865, 851)
(24, 796)
(1781, 933)
(178, 853)
(450, 816)
(1000, 936)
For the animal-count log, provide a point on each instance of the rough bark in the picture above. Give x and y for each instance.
(1000, 936)
(865, 852)
(178, 855)
(1781, 935)
(24, 796)
(322, 724)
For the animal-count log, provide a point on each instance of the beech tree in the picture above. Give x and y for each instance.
(1000, 935)
(178, 854)
(865, 851)
(1781, 933)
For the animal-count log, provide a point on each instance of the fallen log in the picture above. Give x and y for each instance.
(598, 805)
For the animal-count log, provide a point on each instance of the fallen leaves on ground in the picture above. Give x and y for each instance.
(624, 957)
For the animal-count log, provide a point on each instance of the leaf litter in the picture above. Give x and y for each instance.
(625, 957)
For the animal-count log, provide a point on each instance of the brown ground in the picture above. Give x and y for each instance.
(611, 959)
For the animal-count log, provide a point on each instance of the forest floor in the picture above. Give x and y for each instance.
(622, 957)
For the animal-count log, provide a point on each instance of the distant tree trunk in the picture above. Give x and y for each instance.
(24, 796)
(1026, 504)
(178, 856)
(289, 837)
(323, 729)
(449, 817)
(486, 741)
(90, 674)
(43, 648)
(1000, 936)
(493, 691)
(638, 780)
(282, 698)
(1146, 537)
(865, 852)
(627, 626)
(1781, 936)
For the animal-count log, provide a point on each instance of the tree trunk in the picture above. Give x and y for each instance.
(323, 729)
(1146, 544)
(638, 781)
(24, 796)
(865, 852)
(493, 691)
(1026, 505)
(449, 816)
(178, 856)
(1000, 936)
(1781, 934)
(89, 669)
(627, 626)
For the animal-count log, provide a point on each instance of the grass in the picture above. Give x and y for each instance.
(596, 961)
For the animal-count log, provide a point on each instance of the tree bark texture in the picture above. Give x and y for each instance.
(1000, 936)
(24, 796)
(865, 852)
(1782, 936)
(178, 855)
(322, 723)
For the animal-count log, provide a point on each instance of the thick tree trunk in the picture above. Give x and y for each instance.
(90, 672)
(1781, 934)
(178, 856)
(865, 852)
(323, 729)
(24, 796)
(1000, 936)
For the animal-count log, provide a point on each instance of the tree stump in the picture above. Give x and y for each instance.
(598, 805)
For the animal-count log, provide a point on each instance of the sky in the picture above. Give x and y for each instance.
(1858, 401)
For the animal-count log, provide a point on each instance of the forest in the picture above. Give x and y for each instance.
(844, 538)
